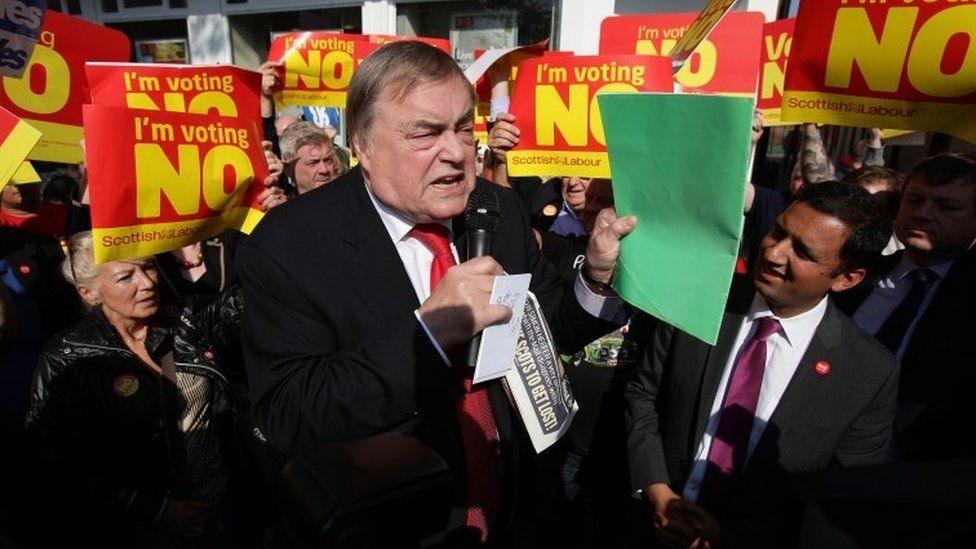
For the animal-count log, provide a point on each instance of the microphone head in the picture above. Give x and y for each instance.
(482, 211)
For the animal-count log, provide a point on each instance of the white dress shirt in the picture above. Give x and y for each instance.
(784, 350)
(890, 291)
(417, 260)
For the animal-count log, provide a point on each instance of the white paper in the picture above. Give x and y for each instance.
(497, 350)
(487, 59)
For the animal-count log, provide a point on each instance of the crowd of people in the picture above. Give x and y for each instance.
(153, 402)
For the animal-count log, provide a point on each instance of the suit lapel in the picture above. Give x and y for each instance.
(718, 357)
(808, 392)
(374, 268)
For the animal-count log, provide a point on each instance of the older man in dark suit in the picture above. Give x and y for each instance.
(791, 386)
(923, 308)
(355, 298)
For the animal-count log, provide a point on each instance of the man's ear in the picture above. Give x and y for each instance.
(361, 152)
(847, 280)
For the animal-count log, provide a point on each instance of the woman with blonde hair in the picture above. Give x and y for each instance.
(133, 413)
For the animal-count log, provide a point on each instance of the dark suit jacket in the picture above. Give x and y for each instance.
(844, 416)
(332, 346)
(938, 367)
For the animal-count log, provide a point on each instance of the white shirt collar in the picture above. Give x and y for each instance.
(397, 224)
(906, 265)
(797, 329)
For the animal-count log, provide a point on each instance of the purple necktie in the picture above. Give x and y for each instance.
(727, 455)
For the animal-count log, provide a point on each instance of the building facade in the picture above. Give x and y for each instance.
(240, 31)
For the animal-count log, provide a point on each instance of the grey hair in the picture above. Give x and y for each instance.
(298, 135)
(79, 266)
(395, 69)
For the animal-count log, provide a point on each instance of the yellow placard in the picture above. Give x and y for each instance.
(25, 174)
(17, 145)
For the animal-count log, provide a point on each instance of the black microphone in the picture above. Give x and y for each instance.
(480, 221)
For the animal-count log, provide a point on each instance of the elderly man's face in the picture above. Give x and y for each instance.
(574, 192)
(419, 158)
(313, 166)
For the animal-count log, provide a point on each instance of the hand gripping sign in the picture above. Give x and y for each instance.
(53, 88)
(316, 67)
(556, 110)
(908, 65)
(726, 62)
(160, 180)
(776, 46)
(224, 90)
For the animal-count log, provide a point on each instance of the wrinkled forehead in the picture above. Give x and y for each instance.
(316, 149)
(960, 187)
(122, 265)
(429, 98)
(816, 229)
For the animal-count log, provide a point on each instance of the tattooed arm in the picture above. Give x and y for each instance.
(815, 164)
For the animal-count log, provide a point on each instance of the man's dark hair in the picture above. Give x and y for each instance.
(946, 168)
(869, 225)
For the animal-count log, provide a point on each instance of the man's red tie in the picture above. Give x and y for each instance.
(478, 430)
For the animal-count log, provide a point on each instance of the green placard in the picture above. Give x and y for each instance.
(680, 164)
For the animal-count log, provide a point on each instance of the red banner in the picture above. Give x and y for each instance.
(439, 43)
(776, 45)
(556, 110)
(53, 88)
(900, 65)
(160, 180)
(726, 62)
(224, 90)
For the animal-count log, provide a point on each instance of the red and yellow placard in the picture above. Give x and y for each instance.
(224, 90)
(17, 138)
(483, 86)
(726, 62)
(907, 65)
(160, 180)
(53, 88)
(776, 45)
(316, 67)
(556, 110)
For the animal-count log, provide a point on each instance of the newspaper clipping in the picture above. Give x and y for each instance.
(540, 390)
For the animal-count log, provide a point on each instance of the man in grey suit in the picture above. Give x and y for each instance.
(792, 385)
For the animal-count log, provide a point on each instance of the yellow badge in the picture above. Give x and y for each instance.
(550, 210)
(126, 385)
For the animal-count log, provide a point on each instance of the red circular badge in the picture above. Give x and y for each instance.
(24, 269)
(822, 367)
